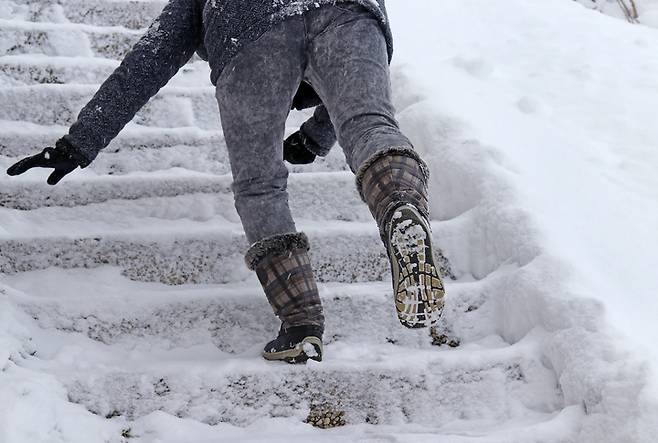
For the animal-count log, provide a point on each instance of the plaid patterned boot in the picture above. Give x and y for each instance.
(394, 185)
(284, 270)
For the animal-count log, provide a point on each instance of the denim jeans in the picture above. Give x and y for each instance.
(341, 51)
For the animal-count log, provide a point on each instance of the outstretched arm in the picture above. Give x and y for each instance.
(168, 45)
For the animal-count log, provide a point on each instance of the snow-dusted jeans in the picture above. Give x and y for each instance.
(341, 51)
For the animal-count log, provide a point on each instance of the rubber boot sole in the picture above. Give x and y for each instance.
(417, 285)
(310, 348)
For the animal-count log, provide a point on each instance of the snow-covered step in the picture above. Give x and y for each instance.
(139, 149)
(60, 104)
(131, 14)
(109, 308)
(313, 196)
(183, 251)
(18, 139)
(379, 384)
(206, 214)
(34, 193)
(17, 70)
(71, 40)
(558, 427)
(20, 70)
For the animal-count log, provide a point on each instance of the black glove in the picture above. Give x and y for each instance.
(296, 149)
(62, 158)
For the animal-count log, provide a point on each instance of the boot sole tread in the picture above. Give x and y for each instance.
(413, 311)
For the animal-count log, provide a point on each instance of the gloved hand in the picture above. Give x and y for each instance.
(62, 158)
(297, 149)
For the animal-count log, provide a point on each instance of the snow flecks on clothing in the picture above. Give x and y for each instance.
(288, 8)
(152, 36)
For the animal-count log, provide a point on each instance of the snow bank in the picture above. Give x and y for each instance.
(647, 10)
(34, 406)
(540, 116)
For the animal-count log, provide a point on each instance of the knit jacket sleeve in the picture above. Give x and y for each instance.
(167, 46)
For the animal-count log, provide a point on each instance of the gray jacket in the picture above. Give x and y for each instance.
(216, 30)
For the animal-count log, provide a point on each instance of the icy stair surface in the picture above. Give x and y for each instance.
(123, 290)
(125, 349)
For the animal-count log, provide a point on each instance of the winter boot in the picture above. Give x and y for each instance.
(284, 270)
(296, 345)
(394, 185)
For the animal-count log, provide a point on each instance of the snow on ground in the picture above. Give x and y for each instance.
(537, 120)
(568, 122)
(551, 108)
(647, 10)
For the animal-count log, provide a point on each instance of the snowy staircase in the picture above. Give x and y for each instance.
(92, 262)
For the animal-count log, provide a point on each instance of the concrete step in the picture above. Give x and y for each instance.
(60, 105)
(377, 384)
(557, 427)
(19, 139)
(20, 70)
(107, 307)
(181, 251)
(127, 13)
(25, 70)
(86, 189)
(137, 149)
(64, 39)
(313, 196)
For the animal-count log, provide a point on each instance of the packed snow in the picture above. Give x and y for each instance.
(537, 121)
(548, 110)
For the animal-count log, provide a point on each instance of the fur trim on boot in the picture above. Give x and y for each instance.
(275, 245)
(284, 270)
